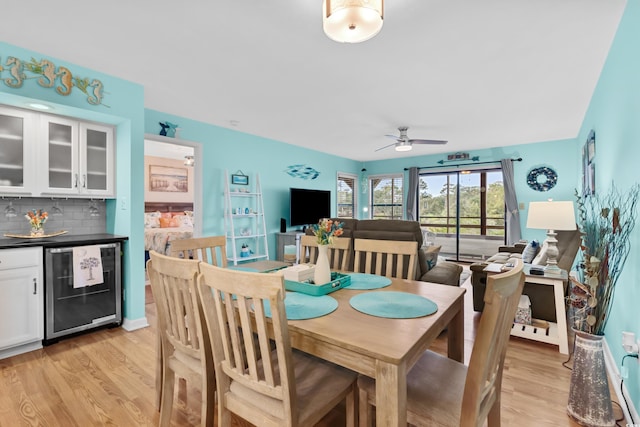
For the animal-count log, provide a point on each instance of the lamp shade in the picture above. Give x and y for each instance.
(352, 21)
(551, 215)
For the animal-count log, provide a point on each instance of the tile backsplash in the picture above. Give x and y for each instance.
(76, 216)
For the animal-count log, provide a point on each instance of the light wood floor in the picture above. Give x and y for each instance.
(107, 378)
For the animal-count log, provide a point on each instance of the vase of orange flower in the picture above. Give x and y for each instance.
(37, 218)
(324, 231)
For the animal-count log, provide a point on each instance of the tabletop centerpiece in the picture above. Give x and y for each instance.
(325, 230)
(37, 218)
(606, 221)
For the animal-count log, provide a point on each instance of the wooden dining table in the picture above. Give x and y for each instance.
(384, 348)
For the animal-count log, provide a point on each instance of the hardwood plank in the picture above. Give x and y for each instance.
(107, 378)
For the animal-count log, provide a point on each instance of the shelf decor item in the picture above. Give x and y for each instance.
(606, 221)
(325, 230)
(37, 218)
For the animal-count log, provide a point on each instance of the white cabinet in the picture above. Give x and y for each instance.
(17, 142)
(78, 159)
(21, 300)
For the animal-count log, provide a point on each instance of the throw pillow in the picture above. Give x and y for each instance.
(168, 223)
(431, 255)
(530, 251)
(541, 258)
(151, 220)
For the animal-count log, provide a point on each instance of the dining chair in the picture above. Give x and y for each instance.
(339, 251)
(443, 392)
(186, 352)
(259, 377)
(210, 249)
(377, 257)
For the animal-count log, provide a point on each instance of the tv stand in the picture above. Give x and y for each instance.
(286, 239)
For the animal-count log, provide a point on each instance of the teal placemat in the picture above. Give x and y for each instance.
(365, 281)
(394, 305)
(302, 306)
(239, 268)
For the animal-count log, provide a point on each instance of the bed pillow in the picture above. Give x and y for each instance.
(530, 251)
(151, 219)
(166, 215)
(183, 220)
(168, 223)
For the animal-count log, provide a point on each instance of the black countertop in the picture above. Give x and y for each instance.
(61, 241)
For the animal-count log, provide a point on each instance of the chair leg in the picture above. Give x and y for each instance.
(352, 407)
(364, 409)
(493, 419)
(168, 382)
(158, 372)
(208, 399)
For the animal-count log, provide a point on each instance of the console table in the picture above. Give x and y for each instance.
(557, 333)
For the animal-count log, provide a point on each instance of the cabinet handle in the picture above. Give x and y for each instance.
(76, 181)
(35, 286)
(84, 181)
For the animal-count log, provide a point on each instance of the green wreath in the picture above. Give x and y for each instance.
(536, 183)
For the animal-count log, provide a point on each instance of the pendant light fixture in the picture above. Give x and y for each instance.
(352, 21)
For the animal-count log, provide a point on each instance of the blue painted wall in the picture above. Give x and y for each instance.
(125, 109)
(226, 149)
(559, 155)
(614, 114)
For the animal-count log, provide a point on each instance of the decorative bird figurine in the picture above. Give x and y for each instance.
(168, 129)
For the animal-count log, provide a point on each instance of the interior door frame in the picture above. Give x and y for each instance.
(197, 175)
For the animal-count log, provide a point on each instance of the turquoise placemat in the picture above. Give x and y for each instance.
(239, 268)
(365, 281)
(394, 305)
(302, 306)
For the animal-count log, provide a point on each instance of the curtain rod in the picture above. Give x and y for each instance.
(519, 159)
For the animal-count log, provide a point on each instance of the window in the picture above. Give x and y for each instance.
(347, 184)
(386, 196)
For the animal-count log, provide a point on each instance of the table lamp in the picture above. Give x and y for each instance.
(551, 216)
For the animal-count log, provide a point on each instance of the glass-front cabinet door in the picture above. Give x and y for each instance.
(17, 166)
(61, 136)
(96, 159)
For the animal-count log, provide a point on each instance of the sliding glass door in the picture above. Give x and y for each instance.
(464, 212)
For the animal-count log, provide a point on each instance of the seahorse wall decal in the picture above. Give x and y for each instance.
(96, 99)
(66, 79)
(45, 69)
(17, 71)
(47, 74)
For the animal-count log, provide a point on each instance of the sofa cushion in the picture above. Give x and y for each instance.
(541, 258)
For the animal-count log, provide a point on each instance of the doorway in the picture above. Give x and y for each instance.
(464, 211)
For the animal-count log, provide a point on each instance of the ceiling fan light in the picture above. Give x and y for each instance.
(403, 146)
(352, 21)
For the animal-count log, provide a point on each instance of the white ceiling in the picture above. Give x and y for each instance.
(477, 73)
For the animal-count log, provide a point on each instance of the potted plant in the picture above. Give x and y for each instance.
(606, 221)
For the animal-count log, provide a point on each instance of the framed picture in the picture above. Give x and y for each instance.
(239, 179)
(589, 165)
(168, 179)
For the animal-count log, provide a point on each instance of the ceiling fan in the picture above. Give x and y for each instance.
(403, 143)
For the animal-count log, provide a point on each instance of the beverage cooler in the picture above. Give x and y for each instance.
(77, 296)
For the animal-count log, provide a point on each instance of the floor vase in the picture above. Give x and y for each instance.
(589, 396)
(322, 273)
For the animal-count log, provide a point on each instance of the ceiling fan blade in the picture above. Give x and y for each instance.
(386, 146)
(392, 136)
(427, 141)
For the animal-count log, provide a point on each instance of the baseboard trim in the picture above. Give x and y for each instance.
(133, 324)
(626, 403)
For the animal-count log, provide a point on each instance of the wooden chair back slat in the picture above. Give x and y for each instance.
(339, 251)
(390, 258)
(210, 249)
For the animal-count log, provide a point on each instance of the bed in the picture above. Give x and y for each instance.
(165, 222)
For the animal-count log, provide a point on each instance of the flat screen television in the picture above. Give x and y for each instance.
(307, 207)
